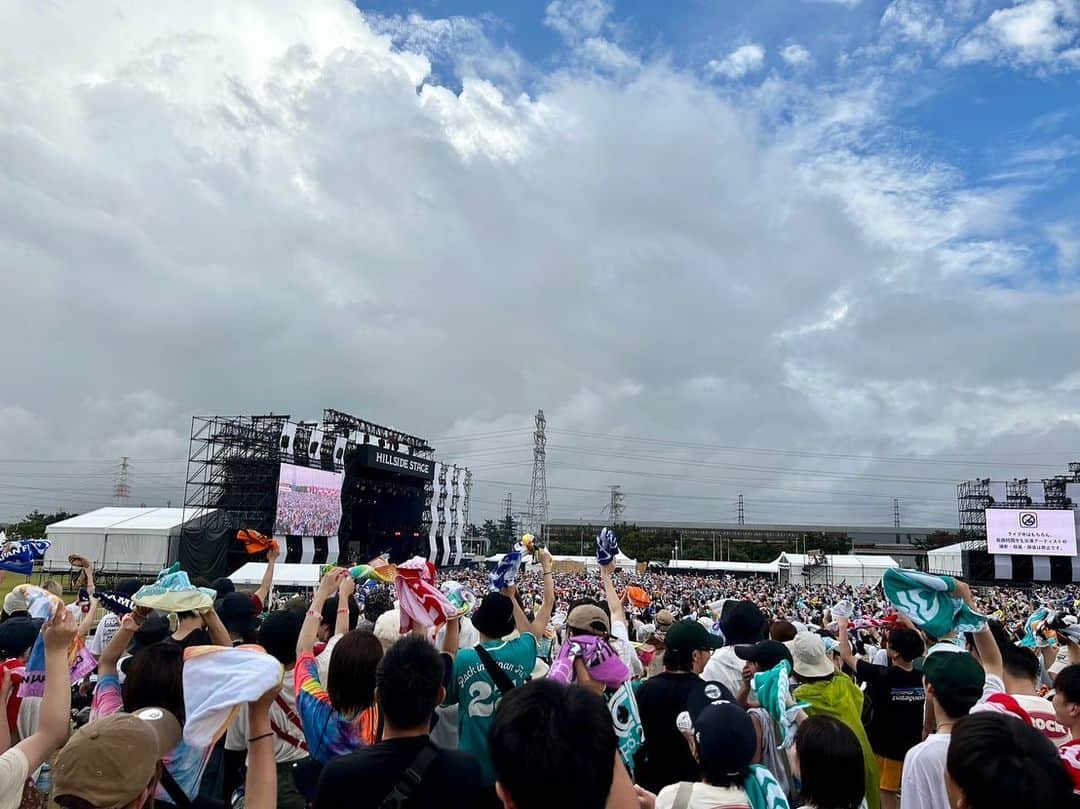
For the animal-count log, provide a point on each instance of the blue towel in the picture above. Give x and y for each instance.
(607, 547)
(19, 555)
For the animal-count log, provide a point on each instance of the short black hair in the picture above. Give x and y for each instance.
(548, 734)
(831, 763)
(954, 707)
(376, 603)
(1019, 662)
(1067, 683)
(330, 608)
(278, 634)
(350, 678)
(678, 659)
(155, 679)
(998, 761)
(407, 682)
(907, 643)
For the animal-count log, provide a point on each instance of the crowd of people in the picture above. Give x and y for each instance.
(528, 687)
(307, 511)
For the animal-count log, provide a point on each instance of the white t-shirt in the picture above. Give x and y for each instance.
(725, 667)
(237, 735)
(923, 782)
(14, 770)
(322, 660)
(621, 643)
(106, 630)
(705, 796)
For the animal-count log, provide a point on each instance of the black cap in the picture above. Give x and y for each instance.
(742, 622)
(765, 653)
(494, 618)
(725, 738)
(17, 635)
(690, 636)
(237, 612)
(153, 630)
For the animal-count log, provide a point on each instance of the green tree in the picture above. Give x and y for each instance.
(32, 526)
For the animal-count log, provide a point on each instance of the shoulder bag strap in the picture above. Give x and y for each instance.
(501, 678)
(173, 790)
(411, 778)
(682, 797)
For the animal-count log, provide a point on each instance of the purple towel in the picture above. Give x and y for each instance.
(600, 659)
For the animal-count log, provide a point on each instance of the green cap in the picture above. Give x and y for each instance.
(691, 636)
(956, 676)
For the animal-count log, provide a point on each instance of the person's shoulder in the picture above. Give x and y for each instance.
(461, 762)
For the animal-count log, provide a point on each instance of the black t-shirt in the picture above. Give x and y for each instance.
(196, 637)
(665, 758)
(364, 778)
(897, 698)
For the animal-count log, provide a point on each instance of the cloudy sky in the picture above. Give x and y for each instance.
(821, 252)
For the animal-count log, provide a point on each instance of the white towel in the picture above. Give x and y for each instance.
(218, 681)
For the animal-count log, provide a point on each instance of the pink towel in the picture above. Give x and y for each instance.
(420, 602)
(600, 659)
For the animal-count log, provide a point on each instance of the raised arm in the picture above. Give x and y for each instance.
(88, 619)
(267, 582)
(346, 588)
(112, 653)
(260, 786)
(845, 644)
(612, 595)
(305, 644)
(55, 721)
(543, 617)
(452, 638)
(218, 633)
(985, 644)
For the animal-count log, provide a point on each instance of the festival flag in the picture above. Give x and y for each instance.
(928, 602)
(420, 602)
(19, 555)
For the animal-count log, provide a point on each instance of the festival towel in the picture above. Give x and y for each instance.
(463, 598)
(174, 592)
(774, 695)
(842, 609)
(218, 680)
(40, 603)
(1033, 639)
(385, 573)
(19, 555)
(626, 718)
(600, 659)
(420, 602)
(763, 790)
(639, 599)
(116, 603)
(926, 600)
(80, 662)
(254, 542)
(607, 547)
(505, 573)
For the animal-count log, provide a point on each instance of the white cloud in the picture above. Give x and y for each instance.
(1065, 238)
(915, 21)
(740, 62)
(604, 53)
(848, 3)
(1042, 33)
(577, 19)
(796, 55)
(244, 207)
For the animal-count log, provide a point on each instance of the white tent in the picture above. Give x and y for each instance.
(947, 561)
(850, 568)
(622, 562)
(285, 575)
(696, 565)
(120, 540)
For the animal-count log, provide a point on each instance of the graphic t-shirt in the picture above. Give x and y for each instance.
(897, 698)
(472, 688)
(328, 733)
(1041, 711)
(1070, 757)
(106, 630)
(185, 763)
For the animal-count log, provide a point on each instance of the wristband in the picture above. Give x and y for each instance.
(342, 610)
(260, 738)
(549, 573)
(314, 614)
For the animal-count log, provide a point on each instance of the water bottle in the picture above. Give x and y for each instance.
(44, 780)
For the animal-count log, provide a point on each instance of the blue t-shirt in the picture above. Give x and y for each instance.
(476, 696)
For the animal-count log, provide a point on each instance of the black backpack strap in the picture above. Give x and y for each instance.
(501, 678)
(411, 778)
(173, 790)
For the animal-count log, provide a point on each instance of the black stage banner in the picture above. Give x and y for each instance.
(389, 461)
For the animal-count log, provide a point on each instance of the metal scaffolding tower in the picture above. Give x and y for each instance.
(538, 500)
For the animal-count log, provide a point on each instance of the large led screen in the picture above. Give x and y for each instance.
(308, 503)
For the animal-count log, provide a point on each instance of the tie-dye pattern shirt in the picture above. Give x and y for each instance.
(328, 733)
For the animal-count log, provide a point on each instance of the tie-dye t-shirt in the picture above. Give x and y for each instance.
(329, 734)
(185, 763)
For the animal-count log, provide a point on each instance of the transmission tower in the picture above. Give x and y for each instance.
(896, 512)
(742, 513)
(538, 502)
(508, 521)
(122, 489)
(615, 506)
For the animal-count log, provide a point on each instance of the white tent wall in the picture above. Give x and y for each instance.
(947, 561)
(622, 562)
(852, 569)
(285, 575)
(695, 565)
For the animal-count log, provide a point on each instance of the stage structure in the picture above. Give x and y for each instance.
(342, 489)
(975, 497)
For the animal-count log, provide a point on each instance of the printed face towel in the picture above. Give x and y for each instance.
(928, 601)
